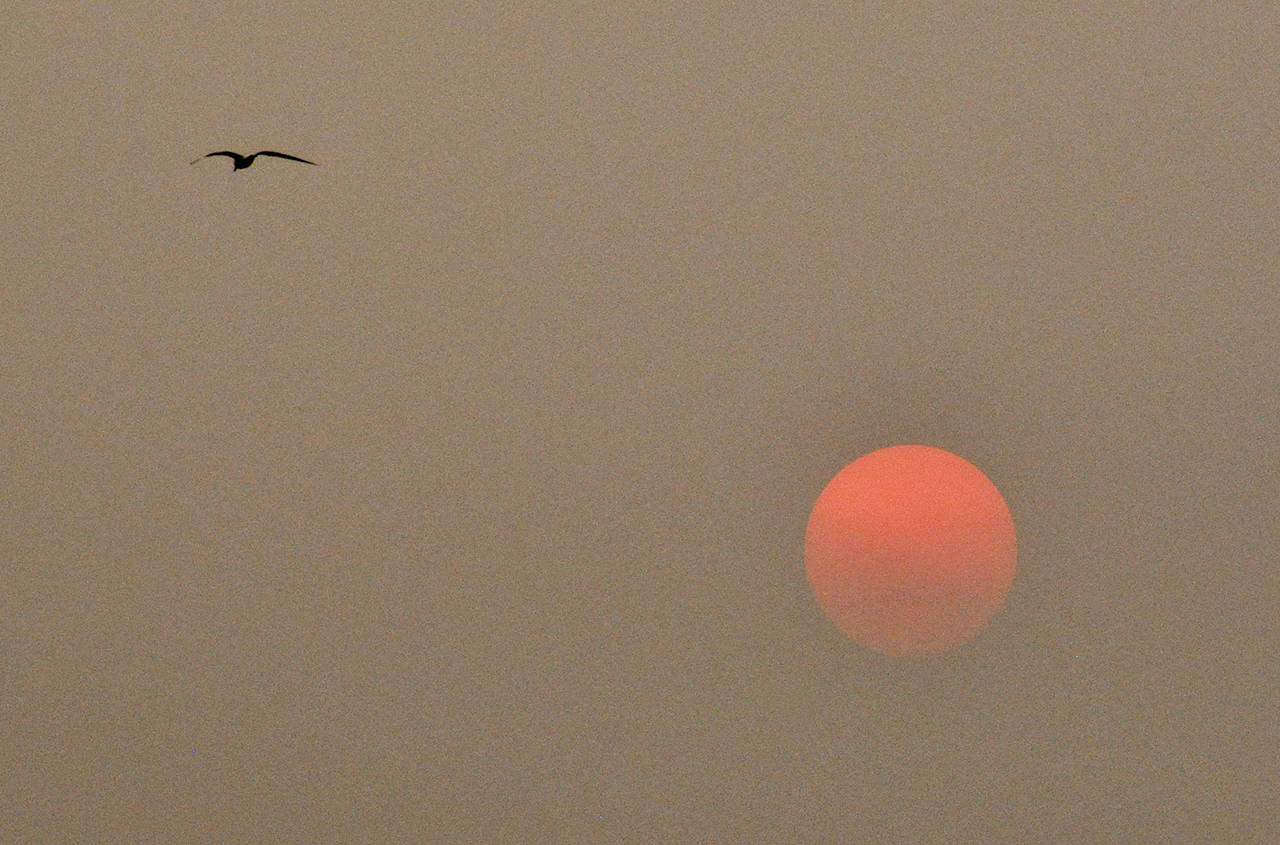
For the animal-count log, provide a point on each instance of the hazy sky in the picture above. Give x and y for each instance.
(455, 489)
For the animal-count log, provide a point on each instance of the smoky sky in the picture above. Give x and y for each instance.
(455, 489)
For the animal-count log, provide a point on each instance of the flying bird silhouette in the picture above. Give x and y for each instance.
(239, 162)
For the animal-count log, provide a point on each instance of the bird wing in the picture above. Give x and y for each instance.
(283, 155)
(219, 153)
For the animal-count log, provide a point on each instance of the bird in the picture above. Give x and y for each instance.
(239, 162)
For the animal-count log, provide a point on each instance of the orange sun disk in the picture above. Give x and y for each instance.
(910, 550)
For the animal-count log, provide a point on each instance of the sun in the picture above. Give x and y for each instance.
(910, 550)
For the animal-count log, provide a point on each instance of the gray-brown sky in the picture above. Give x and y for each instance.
(455, 489)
